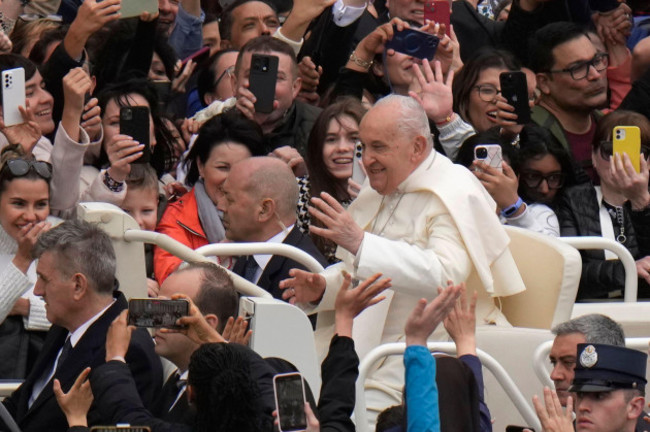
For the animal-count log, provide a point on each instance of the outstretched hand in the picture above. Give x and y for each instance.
(461, 323)
(76, 402)
(435, 94)
(425, 318)
(235, 331)
(352, 300)
(302, 287)
(118, 337)
(340, 227)
(550, 414)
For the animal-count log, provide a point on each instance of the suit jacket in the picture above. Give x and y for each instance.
(278, 267)
(182, 412)
(45, 413)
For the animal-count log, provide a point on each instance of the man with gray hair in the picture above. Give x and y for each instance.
(592, 328)
(259, 205)
(421, 221)
(76, 278)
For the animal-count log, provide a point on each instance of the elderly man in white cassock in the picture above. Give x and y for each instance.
(421, 221)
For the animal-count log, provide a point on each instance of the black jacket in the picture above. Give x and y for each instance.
(45, 413)
(578, 213)
(278, 266)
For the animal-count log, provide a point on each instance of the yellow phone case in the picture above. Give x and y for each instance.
(627, 139)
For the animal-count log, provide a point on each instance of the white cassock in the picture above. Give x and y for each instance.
(439, 225)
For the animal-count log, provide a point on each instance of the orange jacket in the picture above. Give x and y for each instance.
(181, 222)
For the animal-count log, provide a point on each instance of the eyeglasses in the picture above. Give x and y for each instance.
(580, 71)
(487, 92)
(20, 168)
(228, 70)
(533, 179)
(607, 150)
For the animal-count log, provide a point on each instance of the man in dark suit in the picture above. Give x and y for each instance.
(213, 292)
(76, 278)
(261, 195)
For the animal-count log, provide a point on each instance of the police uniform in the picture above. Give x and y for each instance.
(602, 368)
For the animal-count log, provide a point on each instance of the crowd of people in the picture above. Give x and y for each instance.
(366, 158)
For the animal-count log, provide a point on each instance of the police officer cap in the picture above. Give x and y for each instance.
(603, 368)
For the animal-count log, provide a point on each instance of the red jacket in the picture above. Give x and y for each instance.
(181, 222)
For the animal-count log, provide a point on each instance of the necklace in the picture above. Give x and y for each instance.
(617, 212)
(381, 206)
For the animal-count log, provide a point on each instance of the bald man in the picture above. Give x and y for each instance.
(261, 194)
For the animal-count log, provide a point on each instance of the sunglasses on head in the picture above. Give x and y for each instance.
(606, 150)
(20, 168)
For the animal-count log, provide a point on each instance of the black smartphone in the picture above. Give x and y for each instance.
(134, 122)
(289, 393)
(514, 88)
(414, 43)
(197, 57)
(147, 312)
(262, 78)
(511, 428)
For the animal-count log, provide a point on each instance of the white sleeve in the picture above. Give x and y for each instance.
(453, 135)
(344, 15)
(13, 284)
(36, 319)
(538, 218)
(67, 159)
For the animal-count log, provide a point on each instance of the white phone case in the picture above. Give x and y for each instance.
(13, 95)
(492, 157)
(357, 173)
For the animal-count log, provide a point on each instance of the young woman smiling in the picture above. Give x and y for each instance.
(24, 208)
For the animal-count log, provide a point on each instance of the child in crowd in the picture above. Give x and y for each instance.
(141, 203)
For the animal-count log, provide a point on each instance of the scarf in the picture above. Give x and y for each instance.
(209, 216)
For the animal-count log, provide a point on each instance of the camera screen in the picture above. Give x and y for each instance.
(291, 410)
(156, 313)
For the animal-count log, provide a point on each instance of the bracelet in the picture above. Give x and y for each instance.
(447, 120)
(511, 210)
(360, 62)
(112, 184)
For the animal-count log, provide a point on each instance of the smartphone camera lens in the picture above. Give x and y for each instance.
(127, 114)
(481, 153)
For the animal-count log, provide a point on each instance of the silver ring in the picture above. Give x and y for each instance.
(293, 291)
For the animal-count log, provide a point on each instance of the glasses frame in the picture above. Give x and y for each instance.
(544, 178)
(229, 70)
(481, 86)
(589, 63)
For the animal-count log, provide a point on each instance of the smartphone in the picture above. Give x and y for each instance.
(134, 122)
(627, 139)
(357, 173)
(289, 391)
(414, 43)
(134, 8)
(438, 11)
(514, 88)
(511, 428)
(197, 57)
(13, 95)
(148, 312)
(262, 78)
(120, 429)
(489, 154)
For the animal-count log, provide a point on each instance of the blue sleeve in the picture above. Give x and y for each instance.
(187, 36)
(421, 390)
(474, 364)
